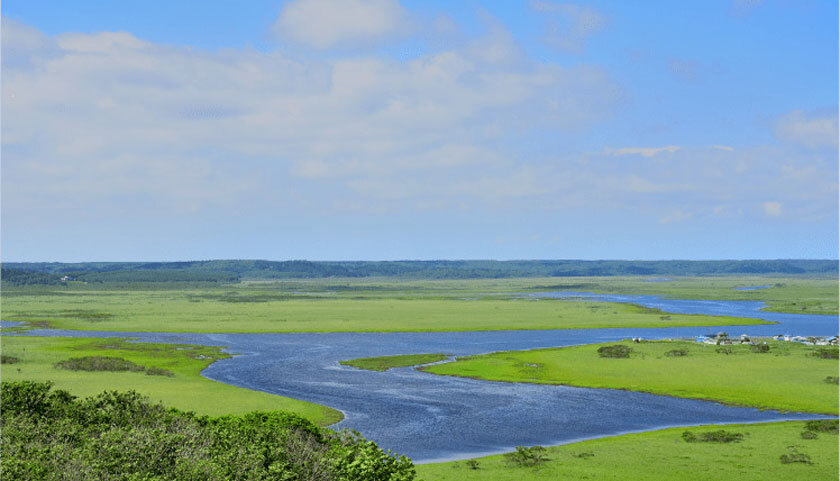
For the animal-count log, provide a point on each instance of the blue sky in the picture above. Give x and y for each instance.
(379, 129)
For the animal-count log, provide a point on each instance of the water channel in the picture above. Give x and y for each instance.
(436, 418)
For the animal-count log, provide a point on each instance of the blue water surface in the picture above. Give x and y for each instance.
(436, 418)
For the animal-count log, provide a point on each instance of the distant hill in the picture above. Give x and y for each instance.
(225, 271)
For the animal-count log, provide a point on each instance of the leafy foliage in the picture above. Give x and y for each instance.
(827, 353)
(615, 351)
(822, 426)
(721, 436)
(48, 433)
(98, 363)
(4, 359)
(523, 456)
(760, 348)
(677, 353)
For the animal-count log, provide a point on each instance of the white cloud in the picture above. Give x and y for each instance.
(772, 208)
(812, 130)
(328, 23)
(105, 117)
(568, 26)
(724, 147)
(643, 151)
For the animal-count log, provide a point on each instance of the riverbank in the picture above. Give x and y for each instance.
(256, 311)
(788, 376)
(666, 454)
(35, 359)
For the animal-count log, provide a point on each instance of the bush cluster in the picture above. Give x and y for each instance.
(48, 433)
(827, 353)
(760, 348)
(822, 426)
(4, 359)
(615, 351)
(98, 363)
(533, 456)
(677, 353)
(721, 436)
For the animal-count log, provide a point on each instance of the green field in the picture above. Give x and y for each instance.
(664, 455)
(788, 377)
(270, 309)
(186, 389)
(383, 363)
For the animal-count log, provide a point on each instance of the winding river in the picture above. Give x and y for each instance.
(436, 418)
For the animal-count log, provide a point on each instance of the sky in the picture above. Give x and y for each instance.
(384, 129)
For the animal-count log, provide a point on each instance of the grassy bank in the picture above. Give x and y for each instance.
(788, 377)
(664, 455)
(383, 363)
(259, 309)
(185, 388)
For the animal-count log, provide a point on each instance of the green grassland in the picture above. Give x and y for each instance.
(261, 309)
(788, 377)
(664, 455)
(383, 363)
(186, 389)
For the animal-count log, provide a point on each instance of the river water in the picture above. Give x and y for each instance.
(436, 418)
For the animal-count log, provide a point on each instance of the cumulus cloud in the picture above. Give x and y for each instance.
(327, 23)
(105, 117)
(814, 129)
(643, 151)
(568, 26)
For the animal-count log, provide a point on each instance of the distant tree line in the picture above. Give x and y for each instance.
(224, 271)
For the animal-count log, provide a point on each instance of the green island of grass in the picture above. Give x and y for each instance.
(789, 376)
(254, 310)
(383, 363)
(168, 373)
(666, 454)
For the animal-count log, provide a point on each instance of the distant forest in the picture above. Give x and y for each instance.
(229, 271)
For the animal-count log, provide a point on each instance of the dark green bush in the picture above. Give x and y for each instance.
(159, 371)
(831, 380)
(47, 434)
(808, 435)
(795, 457)
(677, 353)
(760, 348)
(584, 455)
(720, 436)
(723, 350)
(822, 426)
(615, 351)
(4, 359)
(826, 353)
(98, 363)
(533, 456)
(472, 464)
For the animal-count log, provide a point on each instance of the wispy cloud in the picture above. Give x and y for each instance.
(643, 151)
(328, 23)
(568, 26)
(811, 129)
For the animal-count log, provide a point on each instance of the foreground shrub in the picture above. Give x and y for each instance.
(677, 353)
(720, 436)
(472, 464)
(831, 380)
(615, 351)
(533, 456)
(808, 435)
(50, 434)
(760, 348)
(724, 350)
(98, 363)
